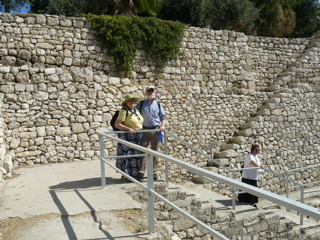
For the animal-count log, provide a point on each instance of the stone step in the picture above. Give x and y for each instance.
(314, 43)
(249, 124)
(312, 49)
(280, 82)
(248, 132)
(273, 100)
(313, 231)
(241, 139)
(273, 88)
(226, 154)
(229, 146)
(262, 112)
(285, 225)
(291, 70)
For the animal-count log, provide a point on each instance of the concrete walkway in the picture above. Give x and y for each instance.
(65, 201)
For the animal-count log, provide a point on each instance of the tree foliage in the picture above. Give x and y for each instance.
(237, 15)
(98, 7)
(307, 18)
(11, 5)
(276, 18)
(186, 11)
(283, 18)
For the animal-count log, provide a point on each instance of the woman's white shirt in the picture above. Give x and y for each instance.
(254, 173)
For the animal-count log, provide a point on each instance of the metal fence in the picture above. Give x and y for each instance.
(234, 184)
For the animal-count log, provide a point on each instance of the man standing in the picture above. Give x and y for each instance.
(154, 117)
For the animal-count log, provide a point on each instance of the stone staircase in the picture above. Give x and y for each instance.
(295, 75)
(245, 222)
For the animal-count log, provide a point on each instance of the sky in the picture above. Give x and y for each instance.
(24, 9)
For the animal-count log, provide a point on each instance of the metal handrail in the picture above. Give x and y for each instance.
(287, 180)
(235, 184)
(302, 186)
(303, 168)
(198, 151)
(150, 184)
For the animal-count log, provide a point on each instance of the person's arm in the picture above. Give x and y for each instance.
(119, 125)
(162, 117)
(255, 164)
(163, 125)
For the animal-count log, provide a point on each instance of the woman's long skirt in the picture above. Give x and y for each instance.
(247, 197)
(129, 165)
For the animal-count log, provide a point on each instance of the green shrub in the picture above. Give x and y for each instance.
(121, 36)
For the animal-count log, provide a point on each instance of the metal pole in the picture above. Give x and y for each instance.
(302, 201)
(165, 136)
(102, 164)
(233, 193)
(287, 185)
(150, 196)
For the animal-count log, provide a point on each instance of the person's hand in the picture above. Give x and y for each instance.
(162, 128)
(131, 131)
(262, 166)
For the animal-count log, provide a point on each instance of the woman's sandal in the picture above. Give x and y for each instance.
(124, 179)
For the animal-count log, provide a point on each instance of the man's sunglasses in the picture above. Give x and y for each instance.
(150, 90)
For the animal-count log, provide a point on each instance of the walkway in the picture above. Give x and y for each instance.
(65, 201)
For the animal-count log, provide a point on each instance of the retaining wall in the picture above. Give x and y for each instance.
(226, 90)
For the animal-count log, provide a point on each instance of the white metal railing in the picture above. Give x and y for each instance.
(233, 171)
(234, 184)
(150, 182)
(301, 186)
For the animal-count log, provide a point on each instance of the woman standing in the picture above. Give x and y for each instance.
(129, 119)
(251, 176)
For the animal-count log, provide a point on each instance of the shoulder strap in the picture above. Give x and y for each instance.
(141, 103)
(124, 108)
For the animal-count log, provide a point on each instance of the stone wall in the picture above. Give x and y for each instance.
(58, 88)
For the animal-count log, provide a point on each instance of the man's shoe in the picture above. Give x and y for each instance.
(155, 177)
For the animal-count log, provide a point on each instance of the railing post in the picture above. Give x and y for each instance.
(302, 201)
(233, 193)
(102, 164)
(165, 136)
(287, 185)
(150, 195)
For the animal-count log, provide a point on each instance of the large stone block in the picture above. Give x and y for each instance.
(238, 140)
(245, 133)
(77, 128)
(226, 154)
(63, 131)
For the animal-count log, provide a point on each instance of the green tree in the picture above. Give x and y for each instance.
(277, 19)
(98, 7)
(307, 18)
(66, 7)
(281, 22)
(39, 6)
(237, 15)
(186, 11)
(11, 5)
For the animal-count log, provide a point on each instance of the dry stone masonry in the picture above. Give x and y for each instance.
(226, 90)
